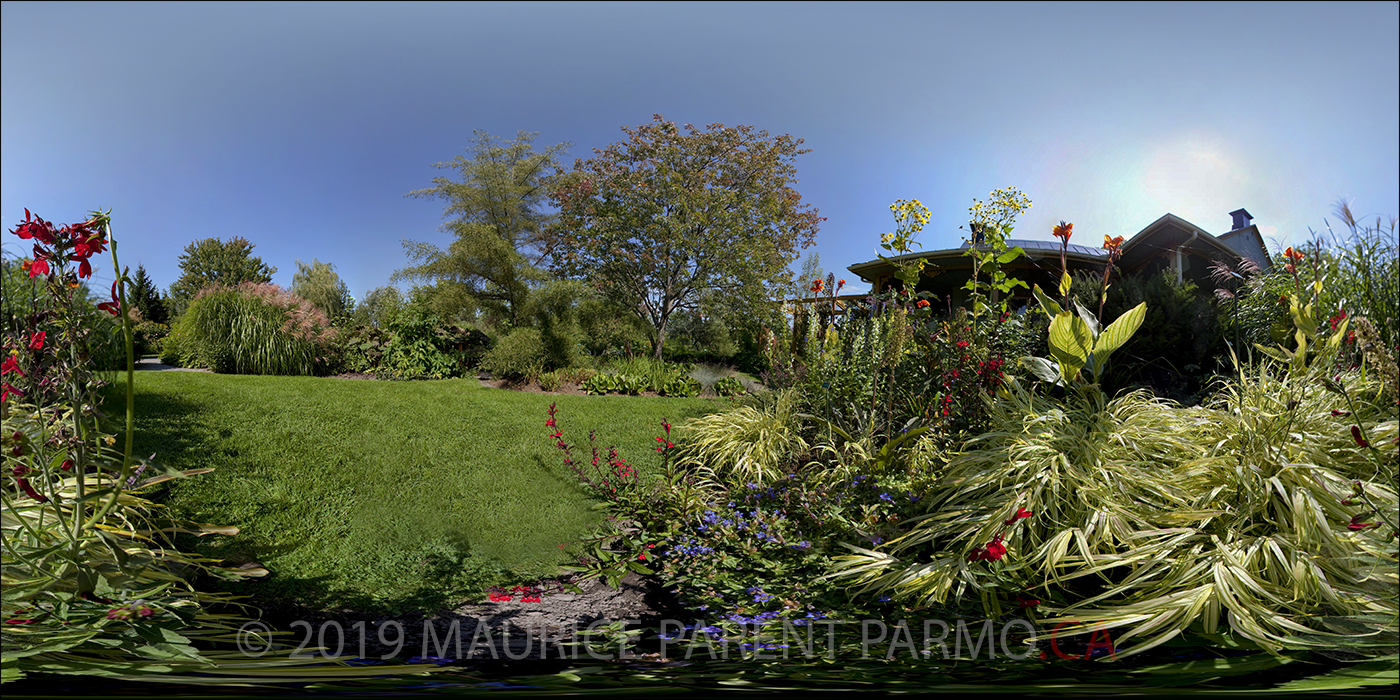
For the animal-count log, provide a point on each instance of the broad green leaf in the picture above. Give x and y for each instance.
(1088, 317)
(1302, 317)
(1010, 255)
(1118, 333)
(1042, 368)
(1070, 343)
(1336, 340)
(1065, 282)
(1050, 306)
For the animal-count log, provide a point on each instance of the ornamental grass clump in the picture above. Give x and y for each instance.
(255, 329)
(1268, 507)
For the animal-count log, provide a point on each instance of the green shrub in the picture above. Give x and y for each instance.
(252, 329)
(600, 383)
(413, 350)
(518, 355)
(681, 385)
(729, 386)
(552, 380)
(149, 337)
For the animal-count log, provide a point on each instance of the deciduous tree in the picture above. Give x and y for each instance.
(669, 220)
(212, 261)
(319, 284)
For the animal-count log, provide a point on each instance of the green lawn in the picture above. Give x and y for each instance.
(383, 495)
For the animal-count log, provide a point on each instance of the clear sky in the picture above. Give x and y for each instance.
(302, 126)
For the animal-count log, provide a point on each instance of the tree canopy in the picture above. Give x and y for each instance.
(497, 221)
(319, 284)
(666, 221)
(212, 261)
(145, 296)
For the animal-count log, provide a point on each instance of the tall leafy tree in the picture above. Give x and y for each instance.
(379, 306)
(667, 221)
(496, 215)
(212, 261)
(145, 295)
(319, 284)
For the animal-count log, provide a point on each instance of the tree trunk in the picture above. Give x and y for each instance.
(660, 342)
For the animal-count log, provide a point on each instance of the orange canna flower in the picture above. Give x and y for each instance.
(816, 285)
(1063, 231)
(1112, 243)
(1295, 255)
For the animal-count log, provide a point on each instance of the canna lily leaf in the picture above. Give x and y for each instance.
(1117, 333)
(1051, 307)
(1070, 343)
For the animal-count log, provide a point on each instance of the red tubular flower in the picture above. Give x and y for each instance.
(6, 390)
(25, 487)
(1340, 413)
(1027, 602)
(38, 267)
(36, 341)
(1020, 513)
(67, 465)
(1356, 435)
(994, 551)
(9, 365)
(114, 306)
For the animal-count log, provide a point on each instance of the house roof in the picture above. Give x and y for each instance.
(1165, 235)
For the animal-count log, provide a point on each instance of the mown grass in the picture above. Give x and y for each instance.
(383, 495)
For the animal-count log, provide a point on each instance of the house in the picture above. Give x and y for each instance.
(1167, 243)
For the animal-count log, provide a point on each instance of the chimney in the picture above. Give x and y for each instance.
(1241, 219)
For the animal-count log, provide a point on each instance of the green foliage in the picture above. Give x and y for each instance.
(145, 296)
(497, 225)
(150, 337)
(1158, 518)
(520, 354)
(420, 347)
(1358, 270)
(1077, 343)
(251, 329)
(910, 218)
(991, 225)
(319, 284)
(379, 307)
(664, 221)
(210, 261)
(729, 386)
(1179, 342)
(749, 444)
(377, 496)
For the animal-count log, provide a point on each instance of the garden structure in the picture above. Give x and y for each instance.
(1170, 242)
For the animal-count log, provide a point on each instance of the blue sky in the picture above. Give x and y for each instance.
(302, 126)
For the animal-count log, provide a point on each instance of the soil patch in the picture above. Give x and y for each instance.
(506, 630)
